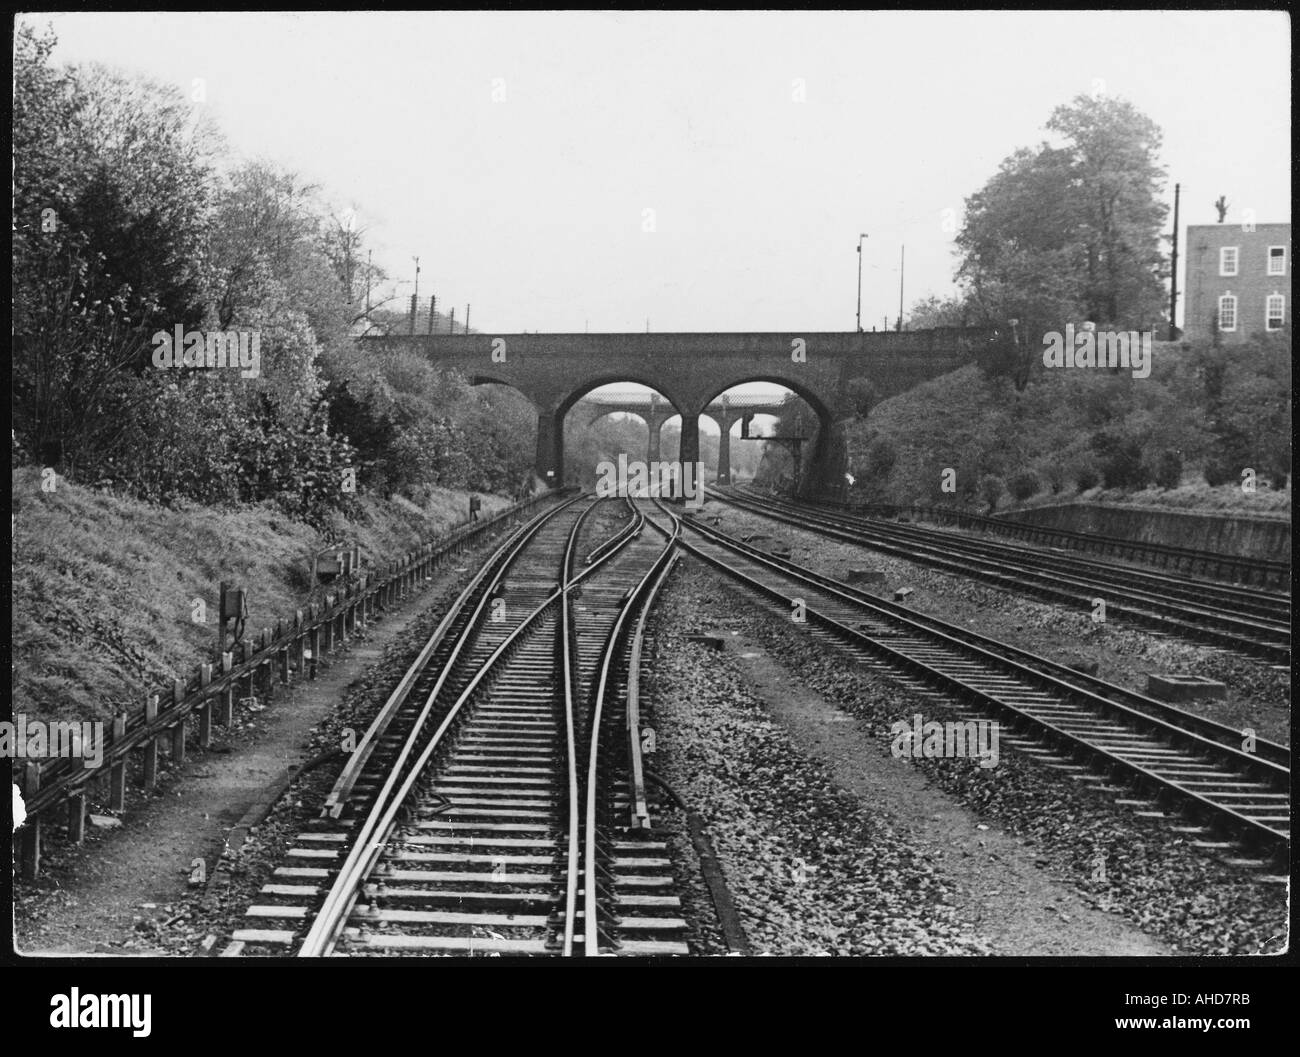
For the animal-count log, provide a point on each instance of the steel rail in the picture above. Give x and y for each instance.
(377, 827)
(971, 643)
(1061, 676)
(495, 566)
(636, 597)
(568, 662)
(1263, 572)
(1248, 602)
(640, 808)
(1227, 631)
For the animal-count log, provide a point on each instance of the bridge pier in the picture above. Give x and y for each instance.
(830, 456)
(690, 446)
(655, 424)
(724, 450)
(549, 463)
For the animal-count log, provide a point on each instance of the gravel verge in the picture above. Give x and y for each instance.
(1115, 860)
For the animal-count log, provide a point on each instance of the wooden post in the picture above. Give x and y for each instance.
(299, 643)
(77, 818)
(228, 694)
(282, 653)
(178, 731)
(31, 833)
(268, 682)
(149, 773)
(327, 625)
(117, 781)
(205, 709)
(221, 618)
(247, 649)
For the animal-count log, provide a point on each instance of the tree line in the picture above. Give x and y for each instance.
(130, 217)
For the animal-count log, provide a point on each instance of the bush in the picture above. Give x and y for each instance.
(1168, 470)
(1086, 476)
(991, 489)
(1218, 472)
(1054, 474)
(1120, 460)
(1022, 485)
(879, 459)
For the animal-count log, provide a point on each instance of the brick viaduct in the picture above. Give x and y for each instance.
(554, 371)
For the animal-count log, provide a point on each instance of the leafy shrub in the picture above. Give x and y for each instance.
(1054, 473)
(879, 459)
(1022, 485)
(1086, 476)
(1218, 471)
(1120, 460)
(991, 490)
(1168, 470)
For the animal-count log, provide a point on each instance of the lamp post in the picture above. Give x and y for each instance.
(860, 238)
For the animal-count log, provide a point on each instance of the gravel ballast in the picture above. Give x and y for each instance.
(1114, 860)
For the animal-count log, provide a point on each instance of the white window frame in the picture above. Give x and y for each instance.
(1281, 259)
(1268, 315)
(1236, 260)
(1233, 299)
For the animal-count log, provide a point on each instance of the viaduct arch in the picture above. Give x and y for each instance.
(554, 371)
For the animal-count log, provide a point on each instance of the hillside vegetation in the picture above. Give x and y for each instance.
(1182, 437)
(105, 585)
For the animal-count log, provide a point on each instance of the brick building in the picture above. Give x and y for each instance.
(1239, 277)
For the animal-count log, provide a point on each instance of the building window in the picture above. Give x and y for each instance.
(1277, 260)
(1274, 312)
(1227, 312)
(1227, 260)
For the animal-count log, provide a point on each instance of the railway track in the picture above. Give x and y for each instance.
(497, 803)
(1184, 769)
(1244, 620)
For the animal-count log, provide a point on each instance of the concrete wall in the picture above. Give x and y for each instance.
(1253, 537)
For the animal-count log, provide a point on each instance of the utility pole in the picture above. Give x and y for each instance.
(433, 312)
(415, 297)
(368, 255)
(347, 262)
(860, 238)
(453, 320)
(467, 319)
(1173, 267)
(902, 251)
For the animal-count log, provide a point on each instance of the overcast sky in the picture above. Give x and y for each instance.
(517, 154)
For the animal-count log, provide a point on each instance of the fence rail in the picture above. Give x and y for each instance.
(262, 665)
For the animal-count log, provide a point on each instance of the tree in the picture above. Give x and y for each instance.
(1070, 231)
(930, 312)
(110, 206)
(1113, 149)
